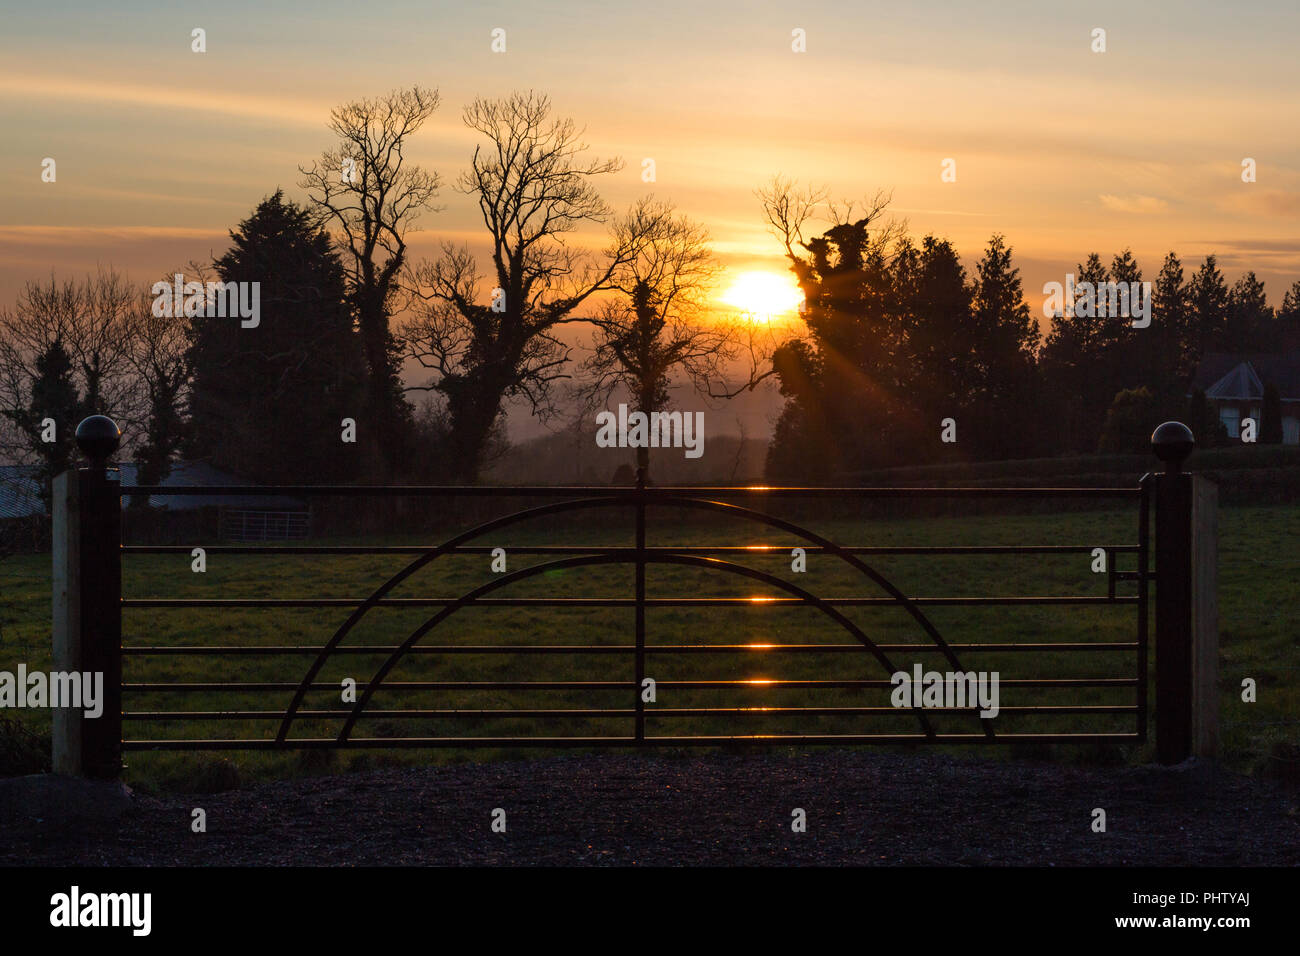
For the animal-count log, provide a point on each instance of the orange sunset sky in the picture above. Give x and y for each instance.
(160, 150)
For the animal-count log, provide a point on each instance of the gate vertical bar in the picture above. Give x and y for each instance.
(1144, 652)
(99, 612)
(640, 604)
(1186, 609)
(1205, 617)
(1173, 608)
(101, 615)
(65, 541)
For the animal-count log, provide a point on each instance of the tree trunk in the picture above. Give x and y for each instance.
(473, 410)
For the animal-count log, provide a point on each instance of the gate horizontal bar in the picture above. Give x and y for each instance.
(376, 649)
(622, 685)
(616, 712)
(631, 493)
(1033, 599)
(844, 703)
(663, 549)
(361, 743)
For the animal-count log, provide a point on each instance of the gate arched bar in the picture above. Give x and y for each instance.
(681, 559)
(830, 546)
(444, 548)
(622, 499)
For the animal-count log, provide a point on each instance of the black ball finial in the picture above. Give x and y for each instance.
(98, 437)
(1172, 442)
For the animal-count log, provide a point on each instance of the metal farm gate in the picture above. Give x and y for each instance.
(626, 708)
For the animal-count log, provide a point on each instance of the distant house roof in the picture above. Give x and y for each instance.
(20, 491)
(1223, 375)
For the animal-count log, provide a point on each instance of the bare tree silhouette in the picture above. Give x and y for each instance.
(658, 323)
(365, 188)
(533, 186)
(87, 324)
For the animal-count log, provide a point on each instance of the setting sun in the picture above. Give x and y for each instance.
(763, 294)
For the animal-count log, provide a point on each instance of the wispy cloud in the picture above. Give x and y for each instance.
(79, 91)
(1135, 203)
(85, 235)
(938, 212)
(1263, 202)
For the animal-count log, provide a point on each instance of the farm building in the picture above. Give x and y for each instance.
(242, 518)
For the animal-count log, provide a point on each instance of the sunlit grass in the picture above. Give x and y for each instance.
(1259, 588)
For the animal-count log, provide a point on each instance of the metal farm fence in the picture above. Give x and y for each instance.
(89, 566)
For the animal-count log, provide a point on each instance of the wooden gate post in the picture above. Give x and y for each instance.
(1187, 625)
(87, 539)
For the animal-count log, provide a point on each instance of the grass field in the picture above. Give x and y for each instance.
(1259, 578)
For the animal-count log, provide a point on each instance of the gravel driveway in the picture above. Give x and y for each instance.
(863, 807)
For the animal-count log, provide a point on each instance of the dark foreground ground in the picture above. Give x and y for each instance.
(863, 807)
